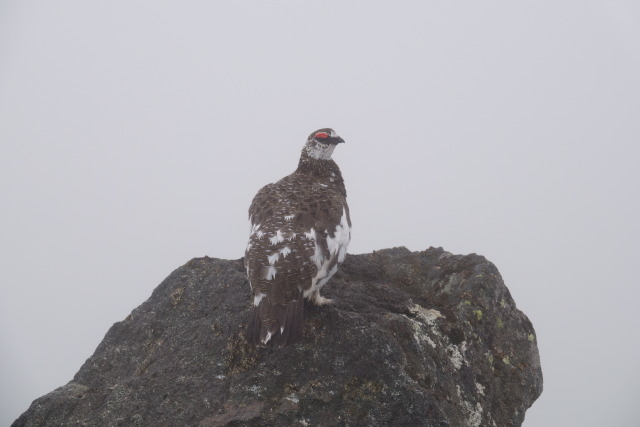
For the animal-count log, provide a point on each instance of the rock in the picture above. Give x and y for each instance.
(414, 338)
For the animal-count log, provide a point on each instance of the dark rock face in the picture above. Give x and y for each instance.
(421, 339)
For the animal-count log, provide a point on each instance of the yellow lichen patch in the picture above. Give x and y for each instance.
(176, 296)
(478, 314)
(240, 355)
(426, 315)
(150, 348)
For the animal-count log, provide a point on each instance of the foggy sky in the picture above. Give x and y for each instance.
(135, 134)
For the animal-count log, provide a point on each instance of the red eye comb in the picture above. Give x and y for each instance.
(322, 135)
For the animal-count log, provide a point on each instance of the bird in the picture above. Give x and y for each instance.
(300, 230)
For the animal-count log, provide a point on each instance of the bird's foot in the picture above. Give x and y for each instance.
(320, 300)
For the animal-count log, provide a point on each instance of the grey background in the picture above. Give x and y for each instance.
(134, 135)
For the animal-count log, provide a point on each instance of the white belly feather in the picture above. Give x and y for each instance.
(338, 245)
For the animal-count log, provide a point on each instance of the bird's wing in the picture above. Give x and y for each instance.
(278, 262)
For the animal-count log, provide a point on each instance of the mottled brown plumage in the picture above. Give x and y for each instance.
(300, 230)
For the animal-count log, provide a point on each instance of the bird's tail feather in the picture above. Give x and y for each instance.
(281, 324)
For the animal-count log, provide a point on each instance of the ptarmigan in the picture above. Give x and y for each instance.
(300, 231)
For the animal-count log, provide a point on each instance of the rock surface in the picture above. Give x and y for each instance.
(414, 338)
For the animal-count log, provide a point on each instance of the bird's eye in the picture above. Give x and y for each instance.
(322, 135)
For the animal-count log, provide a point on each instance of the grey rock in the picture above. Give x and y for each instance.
(414, 338)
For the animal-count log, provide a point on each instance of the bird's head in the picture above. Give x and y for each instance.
(321, 143)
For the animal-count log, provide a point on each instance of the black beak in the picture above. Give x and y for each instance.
(335, 140)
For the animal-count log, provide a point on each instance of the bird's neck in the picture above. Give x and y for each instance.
(316, 167)
(321, 170)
